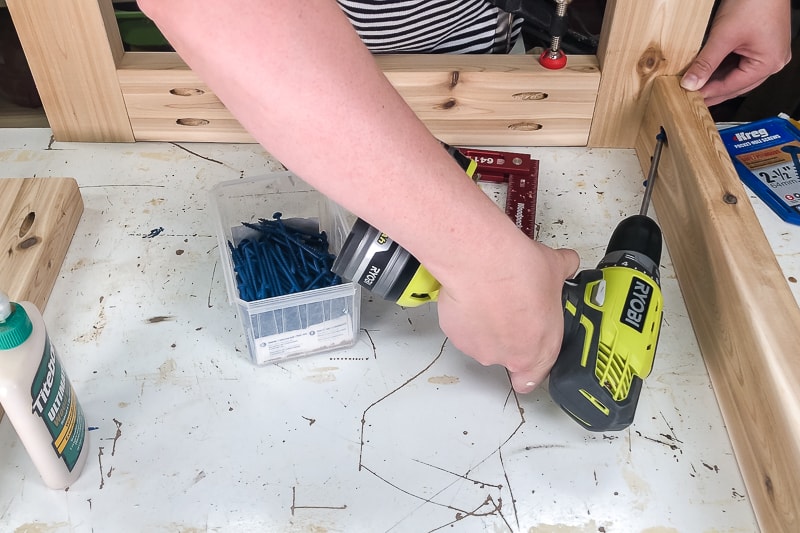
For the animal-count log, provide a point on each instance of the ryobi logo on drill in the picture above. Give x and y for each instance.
(636, 304)
(379, 254)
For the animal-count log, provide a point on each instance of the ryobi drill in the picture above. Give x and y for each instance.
(612, 313)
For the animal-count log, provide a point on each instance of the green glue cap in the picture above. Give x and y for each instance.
(15, 325)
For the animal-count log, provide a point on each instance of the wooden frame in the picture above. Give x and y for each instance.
(741, 309)
(94, 91)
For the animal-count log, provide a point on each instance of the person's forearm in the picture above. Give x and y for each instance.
(301, 82)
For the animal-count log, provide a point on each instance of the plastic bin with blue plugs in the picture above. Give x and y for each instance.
(297, 324)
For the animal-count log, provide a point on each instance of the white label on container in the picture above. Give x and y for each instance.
(326, 334)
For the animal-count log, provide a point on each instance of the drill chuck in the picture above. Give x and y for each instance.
(639, 237)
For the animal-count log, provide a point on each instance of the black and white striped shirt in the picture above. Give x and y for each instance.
(432, 26)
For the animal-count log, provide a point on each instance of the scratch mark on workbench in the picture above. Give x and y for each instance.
(508, 484)
(482, 484)
(388, 394)
(161, 318)
(668, 444)
(117, 435)
(201, 475)
(372, 342)
(495, 508)
(198, 155)
(295, 507)
(211, 285)
(417, 496)
(544, 446)
(100, 461)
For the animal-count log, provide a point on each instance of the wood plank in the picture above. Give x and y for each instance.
(73, 48)
(38, 217)
(741, 307)
(483, 100)
(640, 41)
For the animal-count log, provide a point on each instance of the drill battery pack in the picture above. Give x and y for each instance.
(766, 155)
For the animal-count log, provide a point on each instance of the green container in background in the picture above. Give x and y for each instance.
(139, 33)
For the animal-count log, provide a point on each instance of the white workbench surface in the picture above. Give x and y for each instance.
(400, 433)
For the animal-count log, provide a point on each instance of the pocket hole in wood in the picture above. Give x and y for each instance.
(530, 95)
(27, 222)
(191, 122)
(186, 91)
(525, 126)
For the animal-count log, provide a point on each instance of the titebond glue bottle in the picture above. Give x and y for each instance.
(37, 396)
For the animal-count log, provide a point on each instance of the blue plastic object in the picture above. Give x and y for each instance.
(766, 155)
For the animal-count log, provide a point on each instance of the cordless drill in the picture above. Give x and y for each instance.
(612, 313)
(612, 320)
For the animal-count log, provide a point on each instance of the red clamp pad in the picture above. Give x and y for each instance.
(553, 63)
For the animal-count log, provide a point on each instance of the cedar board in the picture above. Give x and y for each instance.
(38, 217)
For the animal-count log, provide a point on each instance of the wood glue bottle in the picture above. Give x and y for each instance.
(37, 396)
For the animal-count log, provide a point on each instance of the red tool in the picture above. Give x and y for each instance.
(521, 173)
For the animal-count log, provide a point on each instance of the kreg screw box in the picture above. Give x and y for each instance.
(300, 323)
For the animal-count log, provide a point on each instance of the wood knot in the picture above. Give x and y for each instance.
(449, 104)
(530, 95)
(729, 198)
(525, 126)
(650, 61)
(585, 69)
(769, 487)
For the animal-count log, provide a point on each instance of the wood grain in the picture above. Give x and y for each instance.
(72, 48)
(640, 41)
(483, 100)
(38, 217)
(741, 307)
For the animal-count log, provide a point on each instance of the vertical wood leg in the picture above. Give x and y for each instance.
(73, 48)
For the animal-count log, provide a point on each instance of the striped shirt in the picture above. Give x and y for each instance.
(432, 26)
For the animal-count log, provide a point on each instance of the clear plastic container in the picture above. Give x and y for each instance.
(298, 324)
